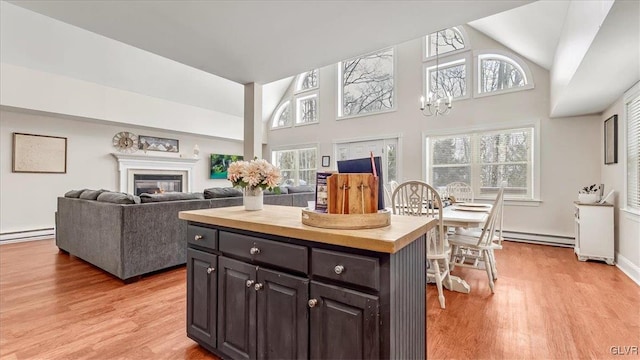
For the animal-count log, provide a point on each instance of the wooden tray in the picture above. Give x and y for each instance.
(346, 221)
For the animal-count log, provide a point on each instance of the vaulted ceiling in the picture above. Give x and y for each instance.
(265, 41)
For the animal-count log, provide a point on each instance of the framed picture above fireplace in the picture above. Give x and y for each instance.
(220, 164)
(150, 143)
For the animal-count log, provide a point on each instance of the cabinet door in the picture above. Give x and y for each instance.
(344, 323)
(236, 308)
(202, 286)
(283, 316)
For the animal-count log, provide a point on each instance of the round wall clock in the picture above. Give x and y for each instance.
(125, 141)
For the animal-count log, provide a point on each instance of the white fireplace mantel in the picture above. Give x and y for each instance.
(129, 164)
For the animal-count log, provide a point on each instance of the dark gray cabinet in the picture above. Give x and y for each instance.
(283, 298)
(201, 296)
(344, 323)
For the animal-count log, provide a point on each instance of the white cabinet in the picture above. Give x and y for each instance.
(594, 232)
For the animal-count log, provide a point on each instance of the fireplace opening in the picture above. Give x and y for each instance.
(156, 184)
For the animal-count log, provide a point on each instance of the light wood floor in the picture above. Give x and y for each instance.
(53, 306)
(547, 305)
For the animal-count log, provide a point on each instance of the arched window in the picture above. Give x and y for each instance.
(447, 41)
(307, 80)
(502, 73)
(282, 117)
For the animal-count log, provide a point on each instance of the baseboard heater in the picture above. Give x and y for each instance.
(541, 239)
(27, 235)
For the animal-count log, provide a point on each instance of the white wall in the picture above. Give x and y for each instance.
(627, 226)
(28, 201)
(569, 160)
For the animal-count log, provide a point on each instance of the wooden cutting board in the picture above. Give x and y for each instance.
(352, 194)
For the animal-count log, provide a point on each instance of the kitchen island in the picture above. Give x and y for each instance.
(262, 285)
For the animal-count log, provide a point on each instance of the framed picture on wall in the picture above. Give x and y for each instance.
(151, 143)
(220, 164)
(611, 140)
(39, 154)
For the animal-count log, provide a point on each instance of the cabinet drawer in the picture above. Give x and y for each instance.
(202, 236)
(284, 255)
(349, 268)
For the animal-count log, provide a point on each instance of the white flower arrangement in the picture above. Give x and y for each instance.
(257, 173)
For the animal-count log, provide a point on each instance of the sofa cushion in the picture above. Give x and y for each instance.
(301, 189)
(283, 190)
(91, 194)
(73, 193)
(218, 192)
(118, 198)
(170, 196)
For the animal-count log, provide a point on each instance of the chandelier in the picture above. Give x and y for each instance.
(439, 102)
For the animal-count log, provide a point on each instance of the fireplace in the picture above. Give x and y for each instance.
(158, 173)
(156, 183)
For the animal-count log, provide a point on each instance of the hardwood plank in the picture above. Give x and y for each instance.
(547, 305)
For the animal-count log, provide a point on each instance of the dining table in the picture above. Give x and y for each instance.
(468, 215)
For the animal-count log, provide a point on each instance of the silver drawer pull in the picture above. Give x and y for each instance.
(210, 270)
(339, 269)
(198, 237)
(312, 303)
(257, 286)
(250, 283)
(254, 251)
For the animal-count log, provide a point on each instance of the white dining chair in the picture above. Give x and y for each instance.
(417, 198)
(473, 249)
(461, 191)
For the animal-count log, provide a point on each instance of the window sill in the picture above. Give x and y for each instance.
(514, 202)
(365, 114)
(631, 214)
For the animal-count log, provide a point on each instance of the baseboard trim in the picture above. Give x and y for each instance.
(628, 268)
(541, 239)
(28, 235)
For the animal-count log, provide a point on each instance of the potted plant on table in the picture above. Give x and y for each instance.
(589, 194)
(254, 177)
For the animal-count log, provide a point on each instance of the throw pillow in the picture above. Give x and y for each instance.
(170, 196)
(118, 198)
(73, 193)
(214, 193)
(91, 194)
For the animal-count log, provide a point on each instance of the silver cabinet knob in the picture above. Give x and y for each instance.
(250, 283)
(312, 303)
(339, 269)
(210, 270)
(254, 251)
(198, 237)
(257, 286)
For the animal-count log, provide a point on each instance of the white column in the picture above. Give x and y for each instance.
(252, 121)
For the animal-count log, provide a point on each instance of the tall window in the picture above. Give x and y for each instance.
(448, 40)
(487, 160)
(302, 107)
(282, 117)
(632, 110)
(297, 166)
(452, 79)
(502, 73)
(366, 84)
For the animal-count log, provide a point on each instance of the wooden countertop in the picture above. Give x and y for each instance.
(287, 221)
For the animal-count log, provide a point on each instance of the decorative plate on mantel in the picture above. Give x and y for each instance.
(126, 142)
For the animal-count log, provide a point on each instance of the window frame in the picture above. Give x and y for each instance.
(278, 112)
(300, 77)
(301, 97)
(427, 38)
(428, 67)
(533, 199)
(510, 58)
(629, 95)
(297, 149)
(340, 92)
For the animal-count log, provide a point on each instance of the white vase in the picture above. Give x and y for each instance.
(253, 198)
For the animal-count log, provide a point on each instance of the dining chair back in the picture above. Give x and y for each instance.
(461, 191)
(475, 250)
(417, 198)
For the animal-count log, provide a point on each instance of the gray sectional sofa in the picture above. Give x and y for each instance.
(129, 237)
